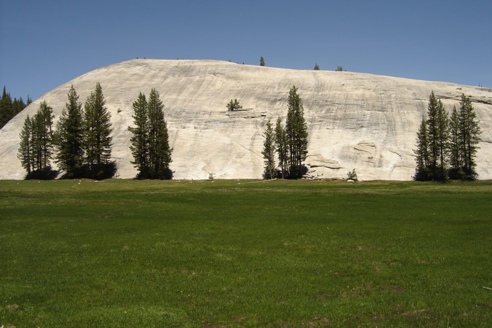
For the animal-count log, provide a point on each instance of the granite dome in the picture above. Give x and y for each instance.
(362, 121)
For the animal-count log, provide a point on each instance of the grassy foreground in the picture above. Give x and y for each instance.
(245, 254)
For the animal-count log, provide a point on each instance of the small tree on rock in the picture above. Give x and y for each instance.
(233, 105)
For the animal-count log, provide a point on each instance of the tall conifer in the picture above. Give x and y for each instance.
(437, 137)
(442, 140)
(297, 134)
(36, 144)
(42, 137)
(5, 108)
(97, 130)
(25, 146)
(269, 152)
(159, 149)
(140, 137)
(469, 135)
(69, 136)
(455, 147)
(422, 154)
(281, 147)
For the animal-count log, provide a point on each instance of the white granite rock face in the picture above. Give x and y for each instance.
(360, 121)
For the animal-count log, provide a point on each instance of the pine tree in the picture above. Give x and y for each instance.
(17, 106)
(159, 150)
(469, 135)
(262, 61)
(5, 108)
(316, 67)
(42, 137)
(140, 137)
(455, 147)
(233, 105)
(10, 107)
(281, 147)
(69, 137)
(269, 151)
(442, 140)
(437, 138)
(432, 133)
(422, 154)
(297, 134)
(449, 142)
(36, 144)
(25, 147)
(97, 130)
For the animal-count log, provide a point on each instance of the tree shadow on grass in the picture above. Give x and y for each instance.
(44, 174)
(95, 172)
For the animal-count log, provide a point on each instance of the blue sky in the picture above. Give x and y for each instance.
(46, 43)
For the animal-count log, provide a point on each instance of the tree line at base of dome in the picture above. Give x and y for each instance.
(285, 147)
(81, 144)
(447, 145)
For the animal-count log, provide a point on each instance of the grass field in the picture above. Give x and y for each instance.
(122, 253)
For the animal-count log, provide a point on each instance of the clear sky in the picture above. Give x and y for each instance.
(46, 43)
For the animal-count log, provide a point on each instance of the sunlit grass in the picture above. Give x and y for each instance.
(244, 254)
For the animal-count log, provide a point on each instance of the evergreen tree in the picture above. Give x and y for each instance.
(233, 105)
(281, 147)
(442, 140)
(447, 141)
(10, 107)
(36, 144)
(455, 147)
(69, 137)
(140, 137)
(5, 108)
(17, 106)
(97, 130)
(42, 137)
(422, 154)
(316, 67)
(269, 151)
(297, 134)
(469, 135)
(159, 150)
(25, 147)
(432, 133)
(437, 138)
(262, 61)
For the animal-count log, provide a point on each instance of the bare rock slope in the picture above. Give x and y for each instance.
(360, 121)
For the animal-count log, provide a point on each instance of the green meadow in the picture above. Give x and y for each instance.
(123, 253)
